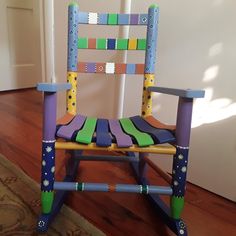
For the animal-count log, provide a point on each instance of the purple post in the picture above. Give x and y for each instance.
(49, 116)
(180, 161)
(184, 118)
(48, 151)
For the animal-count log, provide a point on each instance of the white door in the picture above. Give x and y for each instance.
(20, 57)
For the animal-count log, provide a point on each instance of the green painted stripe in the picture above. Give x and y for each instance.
(83, 43)
(122, 44)
(143, 139)
(141, 44)
(112, 19)
(86, 133)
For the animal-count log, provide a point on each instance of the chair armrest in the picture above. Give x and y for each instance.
(185, 93)
(53, 87)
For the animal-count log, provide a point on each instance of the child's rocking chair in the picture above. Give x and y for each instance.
(141, 134)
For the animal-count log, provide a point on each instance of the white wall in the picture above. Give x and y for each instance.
(197, 49)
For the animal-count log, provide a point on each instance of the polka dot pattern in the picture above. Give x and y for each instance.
(48, 166)
(147, 96)
(73, 23)
(71, 94)
(179, 171)
(152, 31)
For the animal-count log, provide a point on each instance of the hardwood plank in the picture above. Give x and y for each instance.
(115, 214)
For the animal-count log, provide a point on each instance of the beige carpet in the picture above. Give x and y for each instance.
(20, 207)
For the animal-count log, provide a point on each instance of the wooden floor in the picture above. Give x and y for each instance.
(115, 214)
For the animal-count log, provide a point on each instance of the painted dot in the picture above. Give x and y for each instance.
(45, 182)
(53, 169)
(143, 113)
(181, 231)
(43, 163)
(100, 68)
(70, 97)
(46, 173)
(180, 156)
(173, 171)
(184, 169)
(144, 19)
(176, 183)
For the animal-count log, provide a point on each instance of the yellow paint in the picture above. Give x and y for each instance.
(132, 44)
(92, 146)
(71, 94)
(147, 96)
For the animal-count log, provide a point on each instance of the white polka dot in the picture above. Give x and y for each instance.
(48, 149)
(176, 183)
(46, 173)
(53, 169)
(184, 169)
(180, 156)
(173, 171)
(43, 163)
(45, 182)
(181, 231)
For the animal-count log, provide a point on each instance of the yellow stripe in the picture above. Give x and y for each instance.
(152, 149)
(132, 44)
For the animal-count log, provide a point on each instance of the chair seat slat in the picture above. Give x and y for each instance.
(103, 137)
(159, 135)
(122, 139)
(142, 139)
(67, 131)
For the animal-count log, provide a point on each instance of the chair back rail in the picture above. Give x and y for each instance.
(76, 17)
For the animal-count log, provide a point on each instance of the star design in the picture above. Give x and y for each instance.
(48, 149)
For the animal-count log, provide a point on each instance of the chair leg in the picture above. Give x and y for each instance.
(47, 175)
(179, 171)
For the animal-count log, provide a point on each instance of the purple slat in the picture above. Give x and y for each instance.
(66, 131)
(122, 139)
(134, 18)
(91, 67)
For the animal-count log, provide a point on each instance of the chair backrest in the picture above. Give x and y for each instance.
(76, 17)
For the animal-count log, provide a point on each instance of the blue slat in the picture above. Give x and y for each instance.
(103, 137)
(130, 68)
(159, 135)
(111, 44)
(102, 19)
(123, 19)
(83, 18)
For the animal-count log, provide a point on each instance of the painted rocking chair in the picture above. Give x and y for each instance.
(138, 134)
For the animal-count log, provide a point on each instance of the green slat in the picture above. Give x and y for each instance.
(112, 19)
(141, 44)
(122, 44)
(143, 139)
(86, 133)
(101, 44)
(82, 43)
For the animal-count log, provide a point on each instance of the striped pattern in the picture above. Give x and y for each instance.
(112, 19)
(126, 132)
(110, 68)
(112, 44)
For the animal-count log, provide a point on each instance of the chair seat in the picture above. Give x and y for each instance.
(124, 132)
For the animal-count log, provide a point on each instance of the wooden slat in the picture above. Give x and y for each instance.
(112, 43)
(110, 68)
(157, 124)
(142, 139)
(159, 135)
(112, 19)
(170, 150)
(67, 131)
(103, 137)
(122, 139)
(85, 135)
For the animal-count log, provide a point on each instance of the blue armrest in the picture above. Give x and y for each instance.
(185, 93)
(53, 87)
